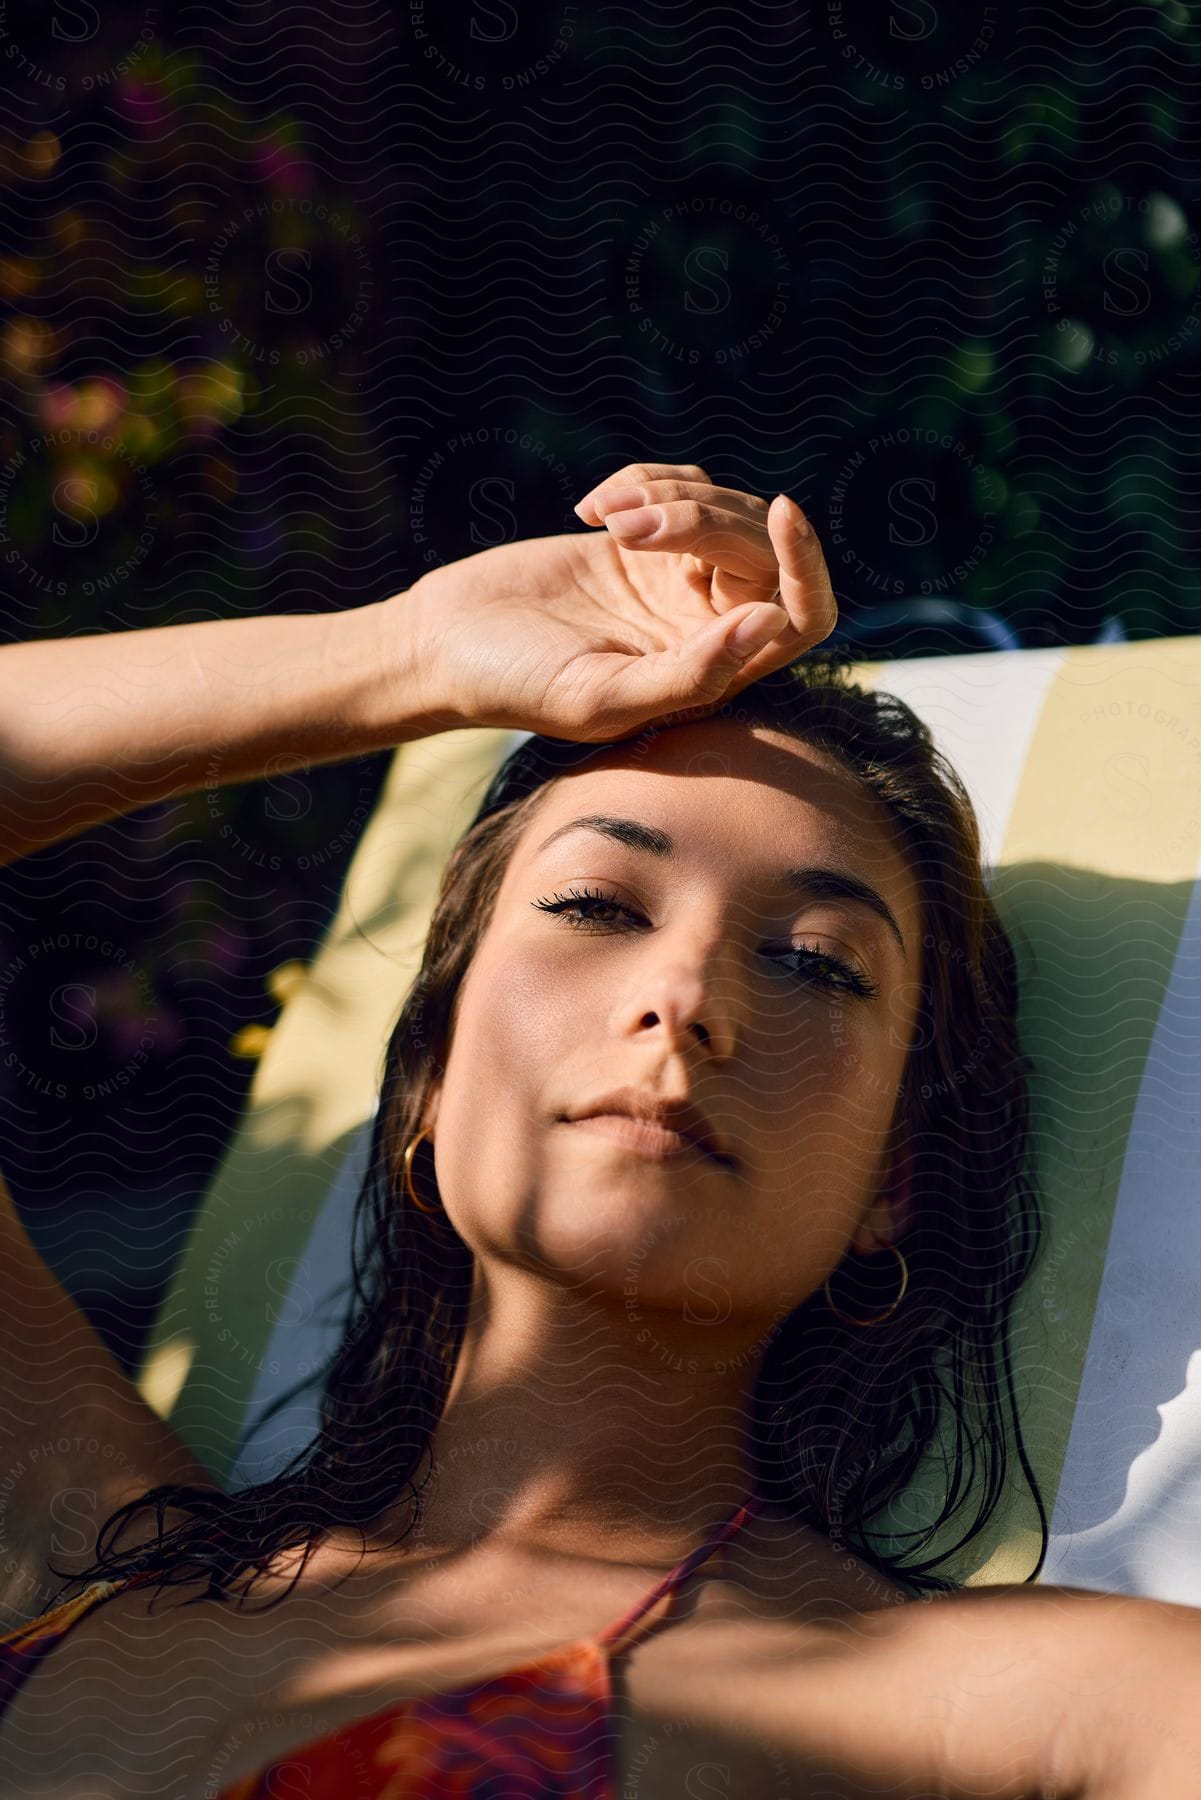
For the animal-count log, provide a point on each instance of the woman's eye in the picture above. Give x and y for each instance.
(581, 911)
(587, 906)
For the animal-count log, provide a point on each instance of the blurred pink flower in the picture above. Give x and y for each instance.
(282, 168)
(144, 103)
(57, 405)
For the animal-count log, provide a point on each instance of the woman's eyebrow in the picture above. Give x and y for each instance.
(816, 883)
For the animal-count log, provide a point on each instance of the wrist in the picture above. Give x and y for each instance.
(409, 699)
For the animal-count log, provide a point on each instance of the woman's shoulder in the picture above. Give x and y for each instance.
(1020, 1689)
(24, 1646)
(799, 1575)
(95, 1681)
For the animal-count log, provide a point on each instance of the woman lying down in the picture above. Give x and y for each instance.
(697, 1205)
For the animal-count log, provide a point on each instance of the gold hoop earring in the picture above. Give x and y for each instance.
(420, 1204)
(878, 1318)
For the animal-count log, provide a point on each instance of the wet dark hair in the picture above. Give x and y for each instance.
(841, 1417)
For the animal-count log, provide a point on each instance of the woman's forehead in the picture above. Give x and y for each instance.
(760, 781)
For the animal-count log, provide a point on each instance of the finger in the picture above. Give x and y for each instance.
(724, 540)
(751, 508)
(612, 495)
(638, 475)
(804, 582)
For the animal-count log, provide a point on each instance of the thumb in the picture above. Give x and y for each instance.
(695, 672)
(715, 654)
(757, 627)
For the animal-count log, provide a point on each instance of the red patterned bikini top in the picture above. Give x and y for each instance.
(543, 1731)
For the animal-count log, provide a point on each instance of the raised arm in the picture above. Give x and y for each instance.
(94, 727)
(585, 636)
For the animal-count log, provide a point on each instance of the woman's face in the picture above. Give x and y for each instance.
(694, 992)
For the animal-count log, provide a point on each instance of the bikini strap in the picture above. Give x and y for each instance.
(611, 1639)
(56, 1620)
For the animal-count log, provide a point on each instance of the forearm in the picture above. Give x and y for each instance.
(94, 727)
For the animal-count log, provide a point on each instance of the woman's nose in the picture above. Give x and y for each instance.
(687, 1004)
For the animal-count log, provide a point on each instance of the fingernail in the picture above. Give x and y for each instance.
(643, 522)
(796, 515)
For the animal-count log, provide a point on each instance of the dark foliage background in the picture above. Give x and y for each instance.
(299, 300)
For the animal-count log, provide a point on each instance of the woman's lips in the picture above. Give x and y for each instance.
(641, 1136)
